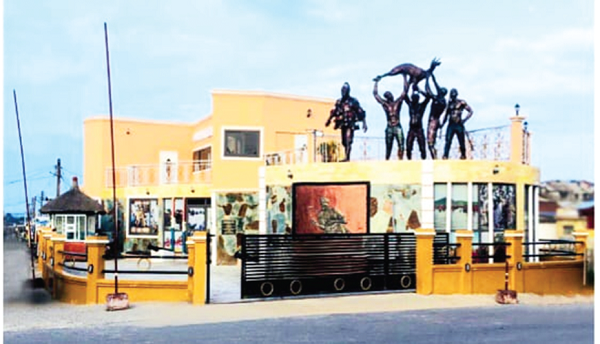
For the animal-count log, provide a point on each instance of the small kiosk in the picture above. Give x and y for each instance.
(73, 214)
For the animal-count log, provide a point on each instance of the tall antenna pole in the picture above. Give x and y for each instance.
(25, 185)
(58, 176)
(112, 148)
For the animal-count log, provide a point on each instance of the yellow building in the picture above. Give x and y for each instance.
(171, 175)
(236, 171)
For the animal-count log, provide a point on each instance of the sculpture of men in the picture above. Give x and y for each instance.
(438, 106)
(456, 124)
(415, 127)
(414, 73)
(393, 131)
(346, 113)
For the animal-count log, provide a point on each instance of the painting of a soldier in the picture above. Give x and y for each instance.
(330, 208)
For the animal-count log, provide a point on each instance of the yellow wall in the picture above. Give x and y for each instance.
(553, 277)
(137, 291)
(136, 142)
(71, 289)
(279, 117)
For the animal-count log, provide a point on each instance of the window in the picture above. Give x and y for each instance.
(459, 207)
(74, 227)
(480, 213)
(242, 143)
(439, 218)
(202, 159)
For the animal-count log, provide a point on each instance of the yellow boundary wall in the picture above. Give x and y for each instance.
(93, 288)
(463, 277)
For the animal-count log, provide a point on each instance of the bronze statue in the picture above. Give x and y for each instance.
(393, 130)
(415, 127)
(346, 113)
(456, 124)
(414, 73)
(438, 106)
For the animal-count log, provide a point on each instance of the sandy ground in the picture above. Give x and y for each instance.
(25, 309)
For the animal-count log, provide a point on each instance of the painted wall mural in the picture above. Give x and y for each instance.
(236, 213)
(279, 209)
(330, 208)
(395, 208)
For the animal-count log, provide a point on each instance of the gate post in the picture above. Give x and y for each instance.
(197, 260)
(46, 256)
(96, 246)
(515, 251)
(464, 251)
(424, 260)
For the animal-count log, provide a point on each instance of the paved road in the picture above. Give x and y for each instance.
(516, 324)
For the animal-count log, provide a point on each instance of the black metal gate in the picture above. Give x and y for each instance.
(284, 265)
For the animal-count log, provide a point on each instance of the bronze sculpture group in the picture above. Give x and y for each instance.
(347, 112)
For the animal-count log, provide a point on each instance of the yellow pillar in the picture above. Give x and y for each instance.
(96, 246)
(191, 248)
(515, 262)
(47, 251)
(198, 259)
(516, 139)
(58, 245)
(41, 248)
(424, 260)
(464, 251)
(580, 248)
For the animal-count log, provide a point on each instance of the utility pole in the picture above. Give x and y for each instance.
(58, 178)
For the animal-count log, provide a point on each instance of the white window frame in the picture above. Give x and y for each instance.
(72, 228)
(233, 128)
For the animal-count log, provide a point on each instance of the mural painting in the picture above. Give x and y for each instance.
(332, 208)
(237, 213)
(279, 210)
(395, 208)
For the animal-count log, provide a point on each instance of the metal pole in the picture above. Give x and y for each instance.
(28, 226)
(112, 148)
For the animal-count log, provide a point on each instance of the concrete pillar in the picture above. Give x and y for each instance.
(464, 251)
(96, 247)
(47, 251)
(197, 260)
(424, 260)
(58, 245)
(516, 139)
(515, 262)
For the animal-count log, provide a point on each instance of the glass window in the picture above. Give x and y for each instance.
(505, 210)
(439, 219)
(91, 225)
(459, 207)
(59, 224)
(480, 210)
(81, 228)
(242, 143)
(202, 158)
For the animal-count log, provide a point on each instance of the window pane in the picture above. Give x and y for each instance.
(459, 207)
(242, 143)
(81, 227)
(439, 219)
(59, 222)
(91, 225)
(70, 220)
(504, 208)
(480, 209)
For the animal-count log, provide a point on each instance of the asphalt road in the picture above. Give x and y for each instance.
(516, 324)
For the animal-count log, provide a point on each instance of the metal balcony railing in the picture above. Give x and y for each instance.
(481, 144)
(181, 172)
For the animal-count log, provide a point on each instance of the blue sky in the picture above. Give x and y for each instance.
(166, 57)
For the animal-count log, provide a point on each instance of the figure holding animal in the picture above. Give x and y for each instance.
(438, 106)
(346, 113)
